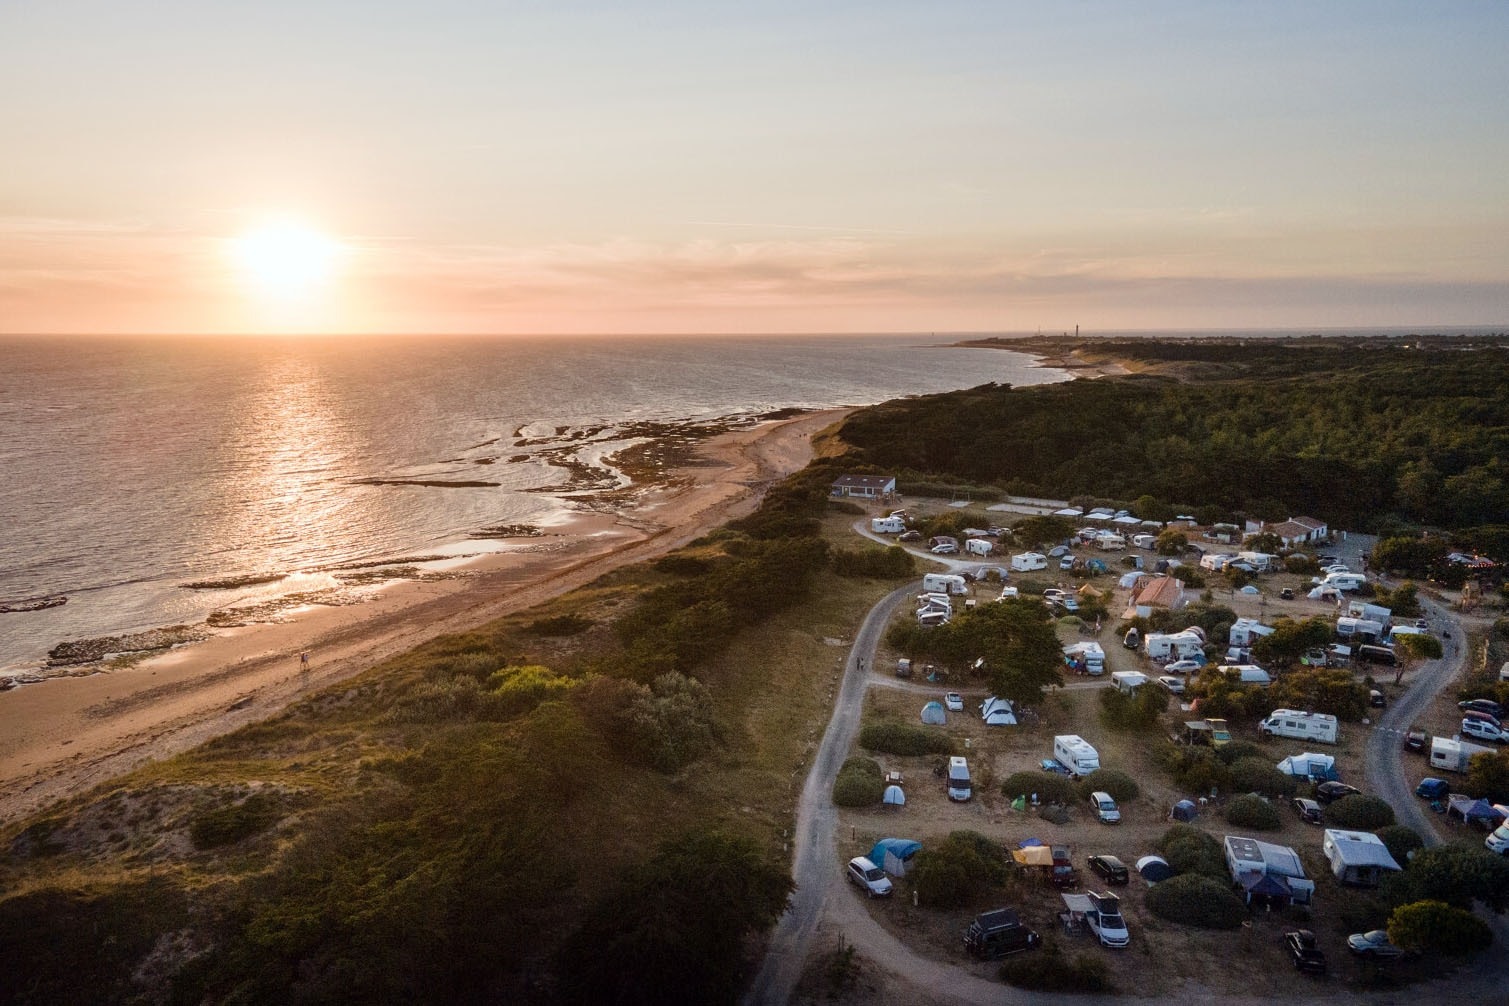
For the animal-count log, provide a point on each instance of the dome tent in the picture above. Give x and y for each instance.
(934, 714)
(894, 855)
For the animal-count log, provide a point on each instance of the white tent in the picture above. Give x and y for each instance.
(1309, 766)
(997, 712)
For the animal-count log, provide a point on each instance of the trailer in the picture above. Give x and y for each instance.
(1453, 755)
(945, 583)
(1027, 561)
(1127, 682)
(979, 546)
(887, 525)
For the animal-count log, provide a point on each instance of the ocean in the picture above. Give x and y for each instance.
(131, 466)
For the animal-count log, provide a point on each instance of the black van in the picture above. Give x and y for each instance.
(1369, 654)
(998, 934)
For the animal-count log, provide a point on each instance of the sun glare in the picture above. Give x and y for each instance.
(286, 259)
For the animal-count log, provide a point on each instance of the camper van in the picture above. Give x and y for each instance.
(1087, 655)
(1028, 561)
(1127, 682)
(978, 546)
(945, 583)
(1344, 581)
(1300, 725)
(1370, 654)
(959, 788)
(887, 525)
(1075, 754)
(1247, 674)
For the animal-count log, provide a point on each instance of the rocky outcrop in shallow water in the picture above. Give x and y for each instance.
(85, 651)
(33, 604)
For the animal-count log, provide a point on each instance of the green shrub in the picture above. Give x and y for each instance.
(1050, 787)
(1139, 711)
(952, 873)
(860, 783)
(1360, 812)
(1190, 850)
(1258, 775)
(517, 690)
(1198, 770)
(1121, 787)
(229, 825)
(878, 563)
(1050, 970)
(1235, 751)
(1436, 927)
(895, 738)
(1250, 811)
(1401, 840)
(682, 565)
(1196, 900)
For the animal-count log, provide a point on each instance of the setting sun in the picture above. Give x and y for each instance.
(286, 259)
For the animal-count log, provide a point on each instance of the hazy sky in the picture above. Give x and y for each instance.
(753, 167)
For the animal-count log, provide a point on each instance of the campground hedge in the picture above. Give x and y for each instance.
(903, 739)
(1257, 775)
(1050, 787)
(1401, 840)
(1194, 899)
(1191, 851)
(1252, 811)
(1119, 785)
(1051, 971)
(860, 783)
(1360, 812)
(950, 874)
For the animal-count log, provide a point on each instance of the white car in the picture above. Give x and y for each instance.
(1183, 667)
(1483, 731)
(944, 548)
(954, 701)
(1105, 808)
(870, 878)
(1173, 684)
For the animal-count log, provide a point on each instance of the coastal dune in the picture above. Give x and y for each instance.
(62, 736)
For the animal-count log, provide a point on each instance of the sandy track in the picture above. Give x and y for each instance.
(63, 736)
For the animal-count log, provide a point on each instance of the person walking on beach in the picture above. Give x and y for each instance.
(304, 661)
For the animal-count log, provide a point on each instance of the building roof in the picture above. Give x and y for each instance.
(1309, 522)
(1163, 590)
(863, 481)
(1290, 529)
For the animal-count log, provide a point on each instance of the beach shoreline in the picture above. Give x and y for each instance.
(65, 735)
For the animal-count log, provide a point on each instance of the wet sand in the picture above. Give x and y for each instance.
(62, 736)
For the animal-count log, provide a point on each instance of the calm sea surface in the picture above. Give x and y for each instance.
(129, 466)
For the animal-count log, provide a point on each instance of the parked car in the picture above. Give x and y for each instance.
(1183, 667)
(870, 878)
(1308, 810)
(954, 701)
(1111, 868)
(944, 548)
(1431, 788)
(996, 934)
(1067, 562)
(1416, 740)
(1488, 706)
(1481, 717)
(1063, 873)
(1374, 944)
(1376, 699)
(1422, 623)
(1330, 792)
(1305, 952)
(910, 536)
(1287, 593)
(1173, 684)
(1105, 808)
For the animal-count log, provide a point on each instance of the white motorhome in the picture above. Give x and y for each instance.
(1347, 627)
(1028, 561)
(1300, 725)
(887, 525)
(1453, 755)
(979, 546)
(1263, 562)
(1247, 674)
(1344, 581)
(1127, 682)
(1110, 542)
(1246, 631)
(1075, 753)
(1093, 657)
(1146, 541)
(959, 786)
(1371, 612)
(945, 583)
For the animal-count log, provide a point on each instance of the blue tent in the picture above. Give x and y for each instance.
(933, 713)
(1184, 810)
(893, 855)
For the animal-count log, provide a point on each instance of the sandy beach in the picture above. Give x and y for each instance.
(62, 736)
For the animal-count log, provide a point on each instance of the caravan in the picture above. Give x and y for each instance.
(945, 583)
(1027, 561)
(1075, 754)
(887, 525)
(979, 546)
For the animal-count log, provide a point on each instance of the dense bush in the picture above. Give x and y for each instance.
(1235, 751)
(890, 737)
(1360, 812)
(680, 564)
(1050, 787)
(1488, 776)
(1439, 928)
(516, 690)
(1198, 770)
(952, 873)
(228, 825)
(1455, 874)
(1321, 690)
(1258, 775)
(560, 625)
(1121, 787)
(860, 783)
(1251, 811)
(1138, 711)
(878, 563)
(672, 722)
(1401, 840)
(1049, 970)
(1190, 850)
(1196, 900)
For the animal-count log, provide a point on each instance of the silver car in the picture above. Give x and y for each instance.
(870, 878)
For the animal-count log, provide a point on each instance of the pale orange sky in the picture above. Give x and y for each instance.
(679, 167)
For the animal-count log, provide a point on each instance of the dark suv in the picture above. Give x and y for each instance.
(998, 934)
(1111, 868)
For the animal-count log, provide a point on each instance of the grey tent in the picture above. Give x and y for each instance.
(1184, 810)
(933, 713)
(1154, 869)
(894, 797)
